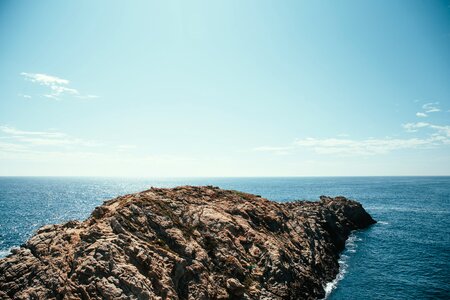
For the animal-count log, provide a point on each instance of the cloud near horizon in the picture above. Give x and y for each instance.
(414, 127)
(42, 138)
(440, 136)
(54, 146)
(361, 147)
(58, 87)
(275, 150)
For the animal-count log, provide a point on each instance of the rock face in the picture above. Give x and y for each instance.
(186, 243)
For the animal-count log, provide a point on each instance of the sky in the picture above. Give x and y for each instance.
(224, 88)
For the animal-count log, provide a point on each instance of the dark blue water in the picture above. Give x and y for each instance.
(405, 256)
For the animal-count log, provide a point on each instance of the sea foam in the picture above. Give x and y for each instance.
(350, 247)
(6, 252)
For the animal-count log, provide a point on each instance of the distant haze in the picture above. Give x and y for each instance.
(224, 88)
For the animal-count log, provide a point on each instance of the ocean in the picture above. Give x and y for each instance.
(406, 255)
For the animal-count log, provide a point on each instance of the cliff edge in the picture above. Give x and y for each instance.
(186, 243)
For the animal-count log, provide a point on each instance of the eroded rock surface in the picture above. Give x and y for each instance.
(186, 243)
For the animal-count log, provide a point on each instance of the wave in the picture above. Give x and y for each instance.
(350, 247)
(5, 252)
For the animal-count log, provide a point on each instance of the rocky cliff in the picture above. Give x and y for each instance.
(186, 243)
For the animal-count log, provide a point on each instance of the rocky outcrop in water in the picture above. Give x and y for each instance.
(186, 243)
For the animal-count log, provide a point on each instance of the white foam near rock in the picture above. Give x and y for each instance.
(350, 247)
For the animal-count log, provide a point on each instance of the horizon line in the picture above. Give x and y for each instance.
(200, 177)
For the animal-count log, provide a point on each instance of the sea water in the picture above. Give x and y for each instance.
(406, 255)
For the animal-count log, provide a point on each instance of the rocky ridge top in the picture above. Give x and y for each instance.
(186, 243)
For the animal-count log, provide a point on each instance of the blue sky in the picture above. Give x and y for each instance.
(229, 88)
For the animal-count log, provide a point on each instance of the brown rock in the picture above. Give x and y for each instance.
(186, 243)
(235, 287)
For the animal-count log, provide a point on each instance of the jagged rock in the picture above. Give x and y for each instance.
(186, 243)
(235, 288)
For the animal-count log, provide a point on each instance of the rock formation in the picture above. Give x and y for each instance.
(186, 243)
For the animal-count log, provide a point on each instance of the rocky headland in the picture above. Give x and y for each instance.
(186, 243)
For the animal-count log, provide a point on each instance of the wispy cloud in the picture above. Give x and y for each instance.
(421, 115)
(414, 127)
(431, 107)
(56, 149)
(23, 141)
(45, 79)
(440, 129)
(439, 136)
(364, 147)
(16, 132)
(25, 96)
(58, 88)
(43, 138)
(123, 148)
(360, 147)
(343, 135)
(12, 147)
(88, 96)
(45, 145)
(274, 150)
